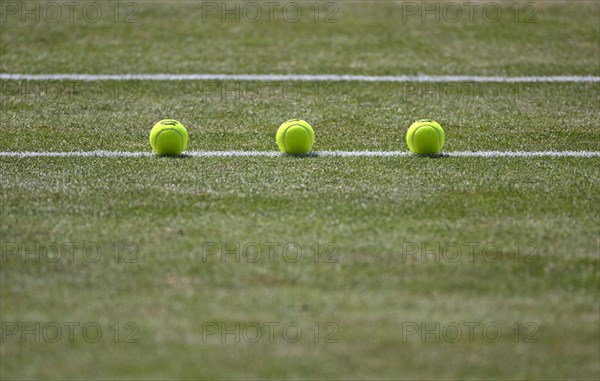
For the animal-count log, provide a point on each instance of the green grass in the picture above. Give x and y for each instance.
(349, 116)
(378, 37)
(374, 211)
(370, 208)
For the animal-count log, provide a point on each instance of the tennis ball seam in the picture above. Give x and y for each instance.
(412, 137)
(288, 128)
(170, 129)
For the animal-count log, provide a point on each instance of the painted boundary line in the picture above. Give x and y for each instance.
(295, 78)
(314, 154)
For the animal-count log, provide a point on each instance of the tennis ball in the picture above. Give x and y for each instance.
(295, 137)
(425, 137)
(168, 137)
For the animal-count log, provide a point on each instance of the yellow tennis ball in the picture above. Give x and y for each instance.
(295, 137)
(425, 137)
(168, 137)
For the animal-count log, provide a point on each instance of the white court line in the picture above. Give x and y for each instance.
(296, 77)
(316, 154)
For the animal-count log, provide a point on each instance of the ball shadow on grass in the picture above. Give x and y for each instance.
(182, 156)
(301, 155)
(433, 155)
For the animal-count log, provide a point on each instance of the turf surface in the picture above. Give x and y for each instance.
(402, 242)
